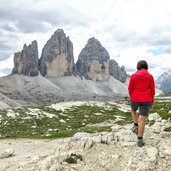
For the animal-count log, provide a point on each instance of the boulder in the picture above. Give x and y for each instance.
(6, 153)
(153, 117)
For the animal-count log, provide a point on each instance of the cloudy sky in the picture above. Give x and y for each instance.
(130, 30)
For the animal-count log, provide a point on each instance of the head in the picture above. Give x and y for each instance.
(142, 64)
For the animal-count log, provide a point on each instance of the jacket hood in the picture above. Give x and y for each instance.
(142, 74)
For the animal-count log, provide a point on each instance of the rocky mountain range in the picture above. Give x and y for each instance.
(57, 77)
(164, 81)
(57, 60)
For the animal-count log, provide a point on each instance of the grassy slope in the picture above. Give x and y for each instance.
(46, 122)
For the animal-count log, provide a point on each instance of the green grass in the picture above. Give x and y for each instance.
(168, 129)
(162, 107)
(31, 122)
(73, 158)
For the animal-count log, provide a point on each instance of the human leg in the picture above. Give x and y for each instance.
(134, 116)
(135, 120)
(144, 108)
(141, 128)
(134, 107)
(142, 121)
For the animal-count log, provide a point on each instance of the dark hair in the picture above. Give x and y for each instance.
(142, 64)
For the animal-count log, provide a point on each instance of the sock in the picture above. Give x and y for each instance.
(140, 138)
(135, 124)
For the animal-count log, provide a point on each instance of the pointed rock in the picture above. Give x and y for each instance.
(57, 56)
(163, 82)
(26, 61)
(117, 72)
(93, 61)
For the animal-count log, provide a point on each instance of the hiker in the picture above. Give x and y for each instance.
(141, 89)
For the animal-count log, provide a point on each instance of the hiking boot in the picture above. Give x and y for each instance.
(135, 130)
(140, 142)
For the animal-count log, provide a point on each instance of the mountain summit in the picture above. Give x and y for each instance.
(57, 56)
(26, 61)
(93, 61)
(164, 81)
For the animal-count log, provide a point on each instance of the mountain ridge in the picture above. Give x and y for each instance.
(163, 82)
(57, 60)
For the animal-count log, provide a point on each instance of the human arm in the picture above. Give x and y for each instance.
(130, 86)
(152, 89)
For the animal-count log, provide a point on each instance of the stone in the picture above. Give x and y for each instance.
(26, 61)
(97, 138)
(80, 135)
(157, 127)
(57, 56)
(152, 153)
(164, 121)
(93, 61)
(165, 134)
(143, 159)
(153, 117)
(88, 143)
(166, 150)
(6, 153)
(126, 135)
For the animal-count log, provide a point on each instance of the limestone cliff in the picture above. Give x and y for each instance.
(26, 61)
(93, 61)
(57, 60)
(57, 56)
(117, 72)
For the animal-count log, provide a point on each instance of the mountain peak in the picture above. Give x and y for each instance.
(93, 40)
(26, 61)
(59, 31)
(163, 82)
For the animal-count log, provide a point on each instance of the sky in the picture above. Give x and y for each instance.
(130, 30)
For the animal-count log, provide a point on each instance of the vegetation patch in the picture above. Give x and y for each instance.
(73, 158)
(168, 129)
(162, 107)
(47, 122)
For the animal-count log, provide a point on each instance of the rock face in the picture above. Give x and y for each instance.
(26, 61)
(117, 72)
(93, 61)
(164, 81)
(57, 60)
(57, 56)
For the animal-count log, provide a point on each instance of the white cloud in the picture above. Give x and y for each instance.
(128, 29)
(6, 65)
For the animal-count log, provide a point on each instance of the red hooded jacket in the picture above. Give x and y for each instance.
(141, 86)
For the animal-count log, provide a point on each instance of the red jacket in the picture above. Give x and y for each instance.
(141, 86)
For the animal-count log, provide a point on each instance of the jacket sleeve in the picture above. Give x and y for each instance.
(130, 86)
(152, 88)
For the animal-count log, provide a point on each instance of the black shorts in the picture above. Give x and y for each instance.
(143, 107)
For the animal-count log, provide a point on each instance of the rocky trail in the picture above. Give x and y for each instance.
(107, 151)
